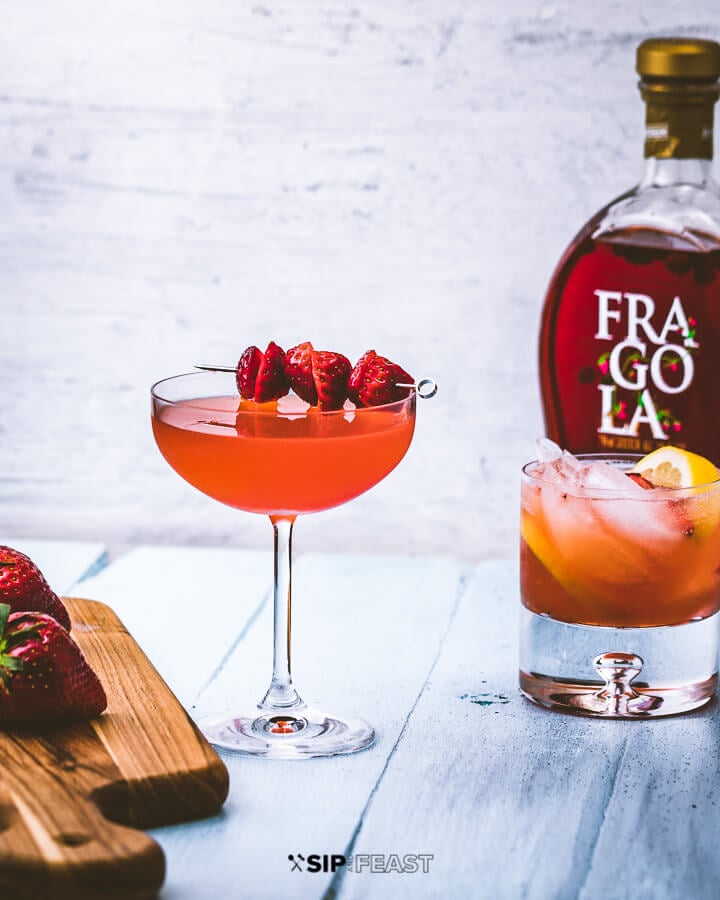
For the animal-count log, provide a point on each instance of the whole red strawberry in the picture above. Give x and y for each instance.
(23, 587)
(44, 678)
(261, 376)
(375, 380)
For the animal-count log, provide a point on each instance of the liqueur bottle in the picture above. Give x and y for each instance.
(630, 334)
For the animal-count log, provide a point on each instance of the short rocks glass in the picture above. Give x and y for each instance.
(620, 589)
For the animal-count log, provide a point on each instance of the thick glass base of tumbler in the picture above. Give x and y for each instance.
(618, 672)
(299, 732)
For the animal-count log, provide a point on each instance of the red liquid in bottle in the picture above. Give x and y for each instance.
(630, 345)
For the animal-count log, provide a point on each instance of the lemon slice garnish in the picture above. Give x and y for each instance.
(671, 467)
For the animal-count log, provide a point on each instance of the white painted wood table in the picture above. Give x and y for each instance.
(497, 798)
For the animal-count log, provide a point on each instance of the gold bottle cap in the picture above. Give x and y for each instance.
(681, 58)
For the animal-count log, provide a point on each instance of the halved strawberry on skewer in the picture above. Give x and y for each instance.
(299, 372)
(376, 380)
(246, 372)
(44, 677)
(330, 372)
(261, 376)
(319, 377)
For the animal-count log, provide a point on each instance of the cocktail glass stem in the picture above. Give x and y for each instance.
(281, 694)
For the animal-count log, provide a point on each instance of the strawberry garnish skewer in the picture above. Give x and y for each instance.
(425, 387)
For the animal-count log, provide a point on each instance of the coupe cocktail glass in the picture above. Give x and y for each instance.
(620, 592)
(280, 460)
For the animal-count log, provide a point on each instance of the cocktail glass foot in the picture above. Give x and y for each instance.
(294, 733)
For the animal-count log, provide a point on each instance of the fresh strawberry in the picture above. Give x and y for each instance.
(43, 675)
(319, 377)
(23, 587)
(261, 376)
(330, 374)
(247, 370)
(271, 382)
(357, 376)
(375, 380)
(299, 372)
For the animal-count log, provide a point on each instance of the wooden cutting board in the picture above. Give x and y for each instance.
(72, 799)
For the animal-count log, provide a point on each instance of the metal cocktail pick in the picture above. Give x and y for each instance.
(425, 388)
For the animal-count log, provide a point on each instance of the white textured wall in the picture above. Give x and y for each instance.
(180, 179)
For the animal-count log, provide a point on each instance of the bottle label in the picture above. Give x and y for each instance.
(632, 350)
(650, 359)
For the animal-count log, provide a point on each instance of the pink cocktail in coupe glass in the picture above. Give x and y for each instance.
(281, 459)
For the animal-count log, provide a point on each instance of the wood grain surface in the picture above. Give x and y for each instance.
(72, 799)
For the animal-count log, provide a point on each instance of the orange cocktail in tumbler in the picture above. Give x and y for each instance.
(620, 582)
(283, 456)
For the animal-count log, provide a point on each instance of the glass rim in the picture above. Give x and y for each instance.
(604, 491)
(156, 395)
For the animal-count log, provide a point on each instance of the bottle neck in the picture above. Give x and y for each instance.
(679, 119)
(662, 172)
